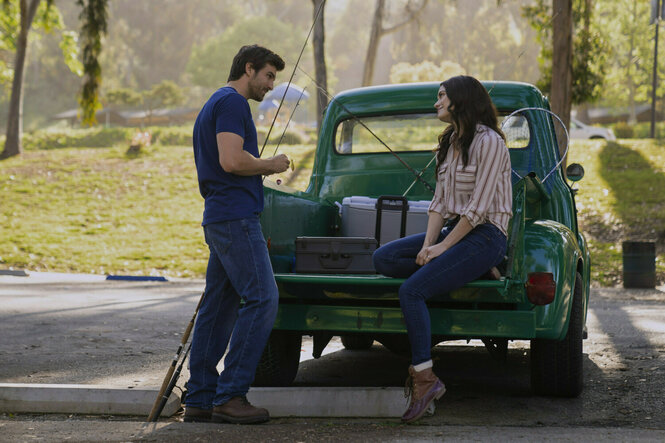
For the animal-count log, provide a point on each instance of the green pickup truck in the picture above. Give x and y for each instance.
(374, 142)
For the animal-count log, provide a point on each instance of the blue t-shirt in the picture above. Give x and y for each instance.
(227, 196)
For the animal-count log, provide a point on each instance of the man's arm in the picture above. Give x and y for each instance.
(236, 160)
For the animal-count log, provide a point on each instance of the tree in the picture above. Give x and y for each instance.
(631, 44)
(562, 64)
(164, 94)
(320, 61)
(27, 11)
(379, 29)
(424, 72)
(210, 62)
(93, 18)
(93, 25)
(570, 76)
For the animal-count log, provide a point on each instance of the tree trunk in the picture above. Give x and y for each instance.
(321, 75)
(562, 67)
(13, 143)
(373, 47)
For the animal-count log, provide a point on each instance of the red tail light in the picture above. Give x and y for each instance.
(540, 288)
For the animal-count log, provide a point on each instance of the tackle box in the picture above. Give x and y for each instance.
(385, 218)
(335, 255)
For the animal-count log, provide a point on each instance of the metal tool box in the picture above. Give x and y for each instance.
(335, 255)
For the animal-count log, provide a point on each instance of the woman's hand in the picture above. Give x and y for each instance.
(429, 253)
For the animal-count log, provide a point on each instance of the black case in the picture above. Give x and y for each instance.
(335, 255)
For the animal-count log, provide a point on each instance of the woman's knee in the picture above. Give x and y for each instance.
(382, 263)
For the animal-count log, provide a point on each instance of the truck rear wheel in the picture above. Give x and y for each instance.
(280, 359)
(396, 343)
(357, 342)
(556, 365)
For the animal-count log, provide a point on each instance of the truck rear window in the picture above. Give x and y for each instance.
(410, 132)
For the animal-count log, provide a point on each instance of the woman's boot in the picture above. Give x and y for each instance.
(424, 387)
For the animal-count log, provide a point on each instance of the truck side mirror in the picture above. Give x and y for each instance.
(574, 172)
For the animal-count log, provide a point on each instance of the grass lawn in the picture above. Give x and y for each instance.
(620, 198)
(96, 210)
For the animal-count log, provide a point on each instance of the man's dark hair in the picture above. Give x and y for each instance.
(258, 56)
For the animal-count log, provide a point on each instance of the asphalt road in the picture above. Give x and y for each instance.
(56, 329)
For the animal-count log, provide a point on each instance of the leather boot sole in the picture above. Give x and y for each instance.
(196, 419)
(251, 420)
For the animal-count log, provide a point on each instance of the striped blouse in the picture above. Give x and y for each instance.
(482, 190)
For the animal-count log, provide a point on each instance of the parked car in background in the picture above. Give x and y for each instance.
(582, 130)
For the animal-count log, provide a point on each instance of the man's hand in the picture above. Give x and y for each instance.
(279, 163)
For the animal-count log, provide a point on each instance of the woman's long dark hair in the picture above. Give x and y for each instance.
(470, 104)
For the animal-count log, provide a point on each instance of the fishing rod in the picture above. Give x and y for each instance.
(171, 385)
(284, 132)
(406, 165)
(316, 17)
(171, 375)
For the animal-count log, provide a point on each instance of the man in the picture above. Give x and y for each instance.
(229, 173)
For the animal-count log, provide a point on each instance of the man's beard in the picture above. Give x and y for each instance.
(256, 92)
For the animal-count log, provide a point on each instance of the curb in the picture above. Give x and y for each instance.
(281, 402)
(81, 399)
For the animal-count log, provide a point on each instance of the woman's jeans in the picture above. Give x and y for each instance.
(474, 255)
(238, 269)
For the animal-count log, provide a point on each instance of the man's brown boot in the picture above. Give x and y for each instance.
(197, 415)
(239, 410)
(424, 387)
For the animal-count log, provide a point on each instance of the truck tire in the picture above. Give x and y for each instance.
(357, 342)
(279, 362)
(397, 343)
(557, 365)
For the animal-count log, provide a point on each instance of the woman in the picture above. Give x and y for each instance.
(467, 226)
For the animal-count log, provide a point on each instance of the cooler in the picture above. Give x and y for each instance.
(397, 217)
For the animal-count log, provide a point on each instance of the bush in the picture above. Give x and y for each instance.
(623, 130)
(172, 136)
(76, 138)
(291, 137)
(643, 130)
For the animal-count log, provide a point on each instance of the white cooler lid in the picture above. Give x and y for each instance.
(362, 202)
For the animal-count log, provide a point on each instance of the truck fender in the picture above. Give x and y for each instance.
(550, 246)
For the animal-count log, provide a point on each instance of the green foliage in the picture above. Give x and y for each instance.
(210, 62)
(425, 71)
(163, 94)
(47, 19)
(291, 137)
(99, 137)
(123, 96)
(623, 130)
(590, 50)
(90, 138)
(631, 39)
(69, 46)
(172, 136)
(93, 26)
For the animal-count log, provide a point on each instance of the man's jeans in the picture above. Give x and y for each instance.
(471, 257)
(238, 268)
